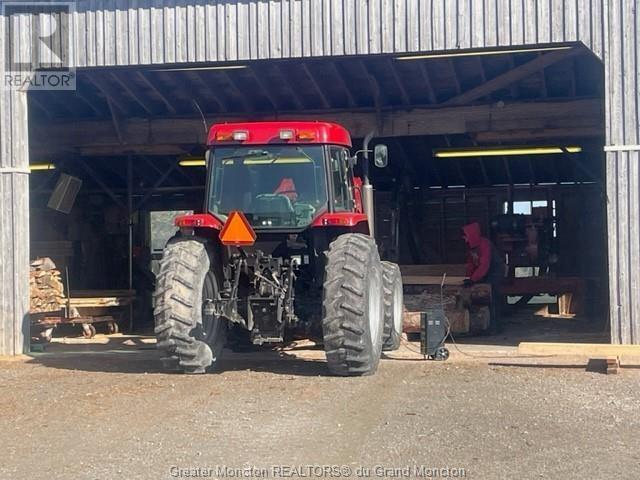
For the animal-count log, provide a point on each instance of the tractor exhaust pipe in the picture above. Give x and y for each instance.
(367, 188)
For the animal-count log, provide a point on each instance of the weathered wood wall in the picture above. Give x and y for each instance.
(135, 32)
(14, 218)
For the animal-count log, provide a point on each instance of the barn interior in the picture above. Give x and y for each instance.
(511, 139)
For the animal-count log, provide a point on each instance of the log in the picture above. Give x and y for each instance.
(459, 320)
(480, 317)
(46, 292)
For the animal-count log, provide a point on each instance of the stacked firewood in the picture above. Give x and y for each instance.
(45, 287)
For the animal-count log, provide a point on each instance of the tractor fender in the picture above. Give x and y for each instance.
(350, 220)
(199, 220)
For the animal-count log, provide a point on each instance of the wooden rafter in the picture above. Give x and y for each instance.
(344, 85)
(205, 85)
(109, 93)
(456, 80)
(264, 88)
(316, 86)
(133, 92)
(236, 91)
(193, 80)
(508, 78)
(404, 95)
(156, 90)
(424, 71)
(295, 96)
(39, 105)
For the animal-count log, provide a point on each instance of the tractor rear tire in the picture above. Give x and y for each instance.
(352, 306)
(191, 340)
(393, 306)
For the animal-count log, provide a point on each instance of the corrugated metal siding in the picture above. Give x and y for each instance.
(14, 219)
(139, 32)
(622, 65)
(136, 32)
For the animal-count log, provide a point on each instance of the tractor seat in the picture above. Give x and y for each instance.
(274, 205)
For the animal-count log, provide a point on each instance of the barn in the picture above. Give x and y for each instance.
(489, 108)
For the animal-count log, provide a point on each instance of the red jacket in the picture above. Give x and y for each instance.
(479, 254)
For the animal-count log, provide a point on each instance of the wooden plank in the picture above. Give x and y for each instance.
(455, 269)
(431, 280)
(582, 349)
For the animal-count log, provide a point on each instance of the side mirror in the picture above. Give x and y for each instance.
(381, 156)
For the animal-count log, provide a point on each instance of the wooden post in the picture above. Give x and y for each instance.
(14, 217)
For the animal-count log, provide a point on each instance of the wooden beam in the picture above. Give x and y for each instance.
(147, 134)
(501, 81)
(542, 134)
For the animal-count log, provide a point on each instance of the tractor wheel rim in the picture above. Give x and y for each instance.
(397, 308)
(211, 322)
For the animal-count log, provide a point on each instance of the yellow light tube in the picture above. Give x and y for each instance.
(505, 151)
(37, 167)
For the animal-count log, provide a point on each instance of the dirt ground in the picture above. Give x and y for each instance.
(104, 410)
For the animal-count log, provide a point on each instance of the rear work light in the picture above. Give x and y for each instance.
(286, 134)
(240, 135)
(237, 136)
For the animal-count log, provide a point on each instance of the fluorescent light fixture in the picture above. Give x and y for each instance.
(192, 69)
(38, 167)
(504, 151)
(192, 162)
(481, 52)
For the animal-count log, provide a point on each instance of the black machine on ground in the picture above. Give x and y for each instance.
(433, 332)
(284, 250)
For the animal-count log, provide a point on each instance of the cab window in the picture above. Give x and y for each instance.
(339, 161)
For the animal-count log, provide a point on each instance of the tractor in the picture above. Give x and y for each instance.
(284, 250)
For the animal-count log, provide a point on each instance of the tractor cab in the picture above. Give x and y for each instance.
(282, 175)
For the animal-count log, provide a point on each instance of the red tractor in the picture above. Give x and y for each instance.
(285, 250)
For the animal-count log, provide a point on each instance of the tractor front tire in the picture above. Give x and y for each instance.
(352, 320)
(393, 306)
(191, 340)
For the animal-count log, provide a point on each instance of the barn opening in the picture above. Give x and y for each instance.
(511, 139)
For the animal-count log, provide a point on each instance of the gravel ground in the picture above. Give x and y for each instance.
(99, 412)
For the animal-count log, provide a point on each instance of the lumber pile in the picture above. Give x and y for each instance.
(46, 291)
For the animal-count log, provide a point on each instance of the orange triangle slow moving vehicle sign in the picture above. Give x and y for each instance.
(237, 231)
